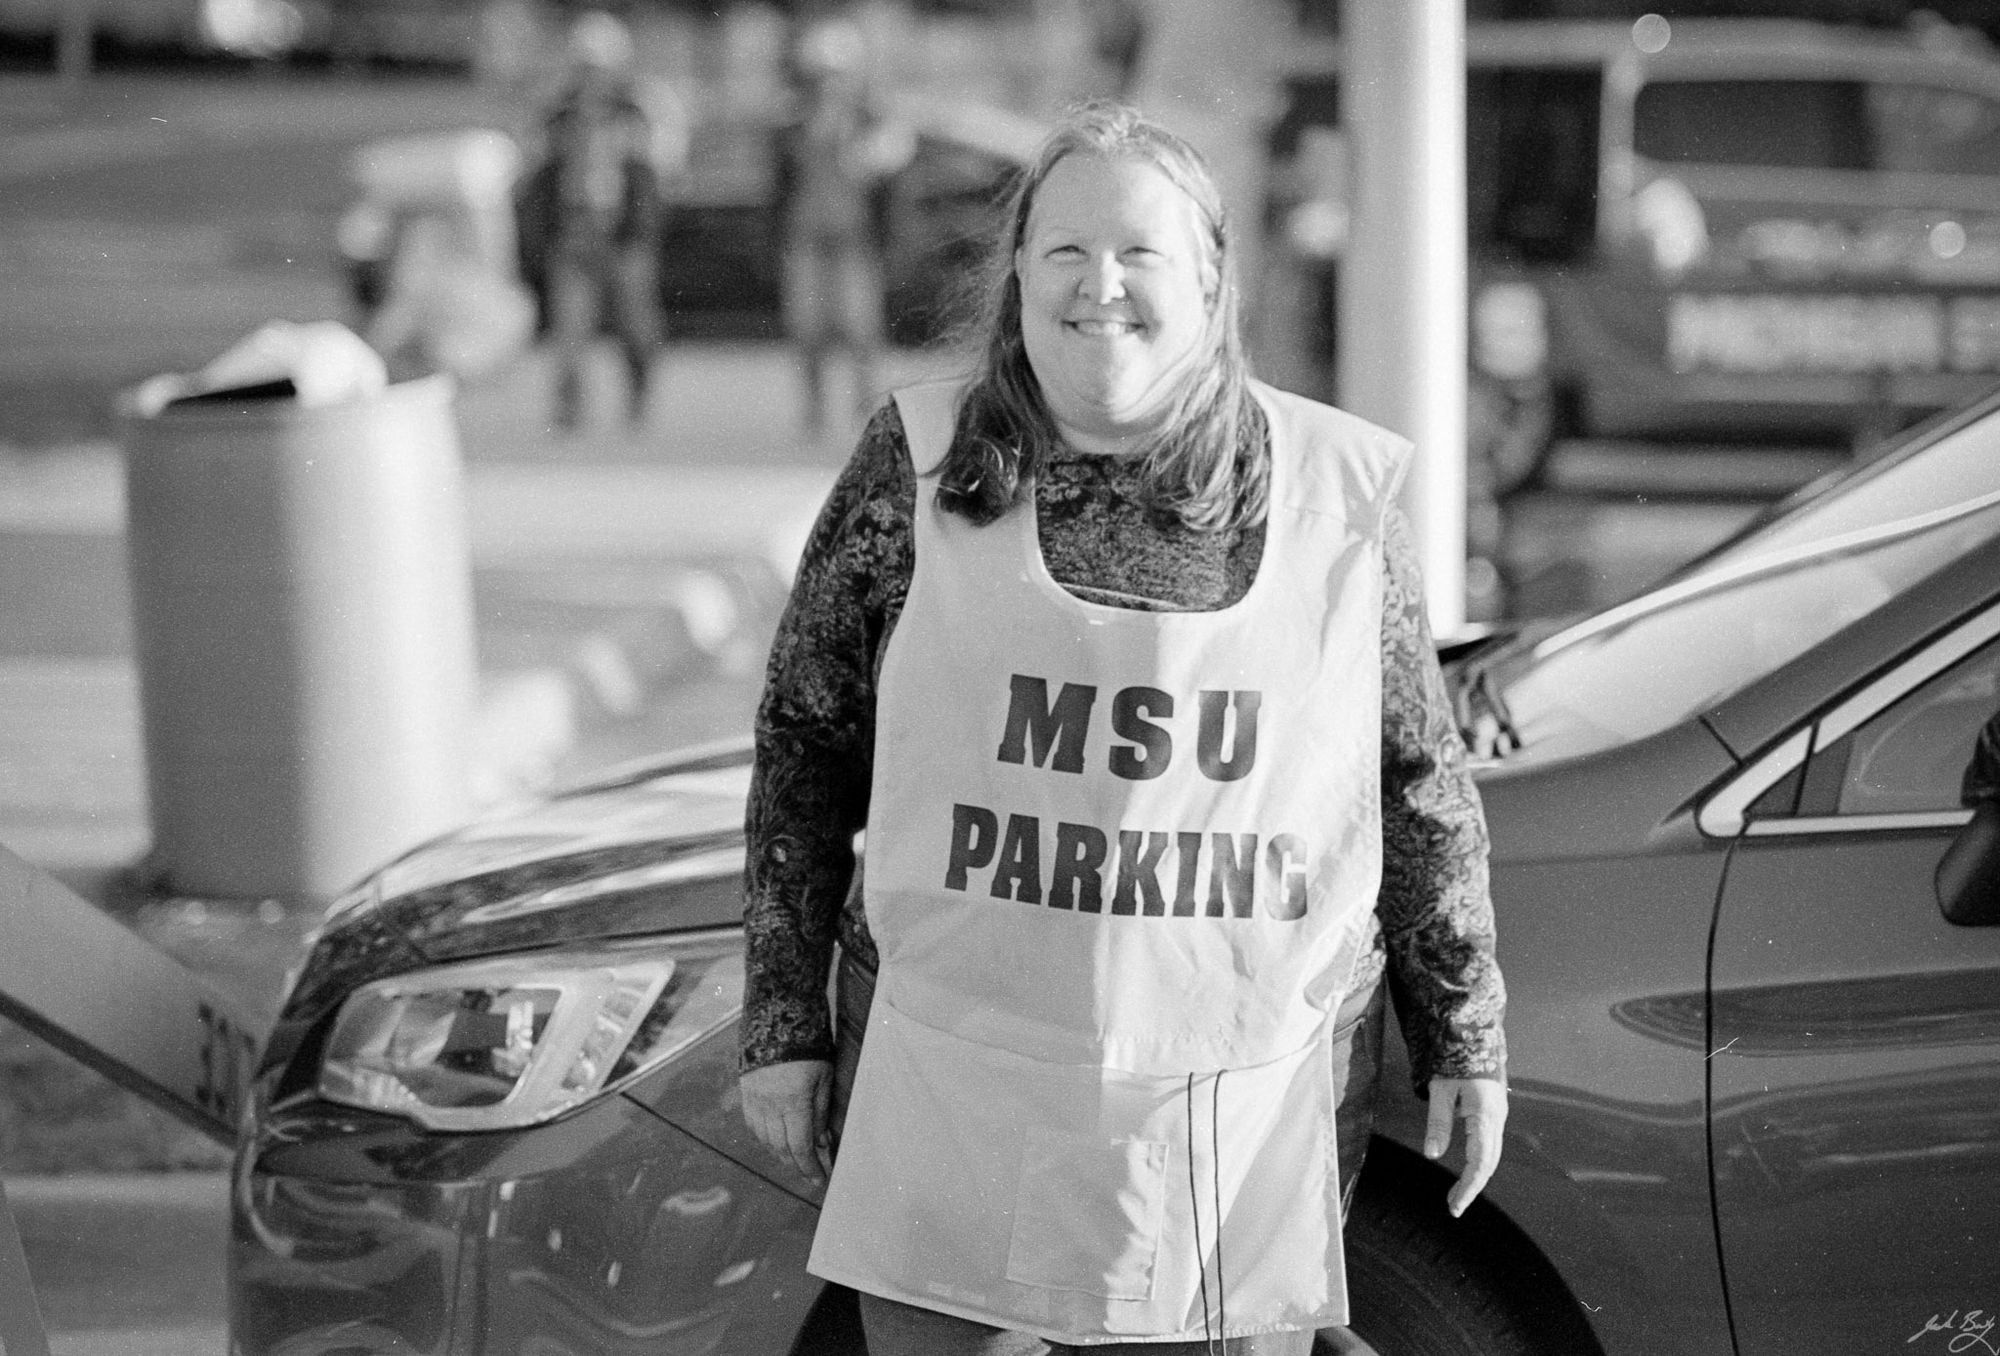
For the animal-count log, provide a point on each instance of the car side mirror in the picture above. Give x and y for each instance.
(1968, 876)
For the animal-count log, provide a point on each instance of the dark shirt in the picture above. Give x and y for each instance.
(595, 187)
(815, 742)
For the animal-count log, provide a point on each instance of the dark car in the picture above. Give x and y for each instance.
(1725, 228)
(1753, 1059)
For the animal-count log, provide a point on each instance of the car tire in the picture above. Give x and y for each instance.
(1423, 1287)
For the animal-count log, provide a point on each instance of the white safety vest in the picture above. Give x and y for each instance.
(1119, 864)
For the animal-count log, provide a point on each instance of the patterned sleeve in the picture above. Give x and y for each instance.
(1435, 911)
(815, 734)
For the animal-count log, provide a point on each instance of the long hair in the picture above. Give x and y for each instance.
(1207, 465)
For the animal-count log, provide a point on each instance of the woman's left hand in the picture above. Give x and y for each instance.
(1482, 1104)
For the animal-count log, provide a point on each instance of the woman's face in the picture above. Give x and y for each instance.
(1114, 300)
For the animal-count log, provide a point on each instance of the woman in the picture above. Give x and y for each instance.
(1120, 659)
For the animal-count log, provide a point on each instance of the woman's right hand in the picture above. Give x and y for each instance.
(785, 1107)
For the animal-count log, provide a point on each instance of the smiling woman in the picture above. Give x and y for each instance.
(1117, 283)
(1110, 326)
(1117, 964)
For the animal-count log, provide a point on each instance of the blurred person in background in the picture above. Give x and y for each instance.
(1118, 39)
(834, 157)
(1060, 1052)
(592, 215)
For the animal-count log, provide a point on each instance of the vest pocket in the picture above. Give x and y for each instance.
(1087, 1214)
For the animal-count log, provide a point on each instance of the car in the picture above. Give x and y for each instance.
(1709, 229)
(1751, 1060)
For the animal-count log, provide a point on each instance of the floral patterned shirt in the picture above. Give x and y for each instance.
(815, 735)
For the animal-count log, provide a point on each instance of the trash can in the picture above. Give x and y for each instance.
(302, 612)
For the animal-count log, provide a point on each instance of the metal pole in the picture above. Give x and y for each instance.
(1210, 72)
(1401, 310)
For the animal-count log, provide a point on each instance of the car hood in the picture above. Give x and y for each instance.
(648, 849)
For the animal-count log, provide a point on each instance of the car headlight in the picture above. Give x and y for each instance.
(512, 1041)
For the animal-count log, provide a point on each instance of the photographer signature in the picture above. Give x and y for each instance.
(1970, 1330)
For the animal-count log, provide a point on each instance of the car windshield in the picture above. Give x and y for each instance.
(1961, 465)
(1766, 598)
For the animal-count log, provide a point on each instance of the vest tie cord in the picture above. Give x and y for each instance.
(1194, 1205)
(1215, 1185)
(1220, 1325)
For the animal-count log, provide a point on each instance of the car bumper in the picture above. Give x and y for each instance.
(608, 1232)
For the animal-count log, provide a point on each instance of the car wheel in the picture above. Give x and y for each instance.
(1415, 1290)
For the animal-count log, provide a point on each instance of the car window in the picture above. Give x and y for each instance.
(1927, 129)
(1911, 756)
(1640, 669)
(1774, 124)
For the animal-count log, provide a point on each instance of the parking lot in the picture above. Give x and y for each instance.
(627, 584)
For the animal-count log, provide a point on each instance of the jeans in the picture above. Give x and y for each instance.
(897, 1329)
(833, 303)
(597, 286)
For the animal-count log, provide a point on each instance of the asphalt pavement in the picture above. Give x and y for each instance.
(127, 1264)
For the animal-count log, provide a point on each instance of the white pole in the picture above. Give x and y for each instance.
(1402, 302)
(1209, 70)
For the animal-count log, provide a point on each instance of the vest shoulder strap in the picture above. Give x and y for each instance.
(1342, 465)
(930, 414)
